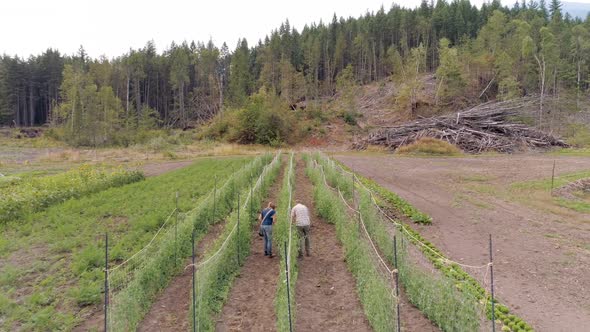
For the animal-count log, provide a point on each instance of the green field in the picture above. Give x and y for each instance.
(51, 261)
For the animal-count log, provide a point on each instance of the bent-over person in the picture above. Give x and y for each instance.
(300, 215)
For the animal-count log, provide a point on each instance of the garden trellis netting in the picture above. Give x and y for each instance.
(441, 288)
(133, 284)
(214, 274)
(288, 246)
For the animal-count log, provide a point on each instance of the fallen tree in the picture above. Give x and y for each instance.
(492, 126)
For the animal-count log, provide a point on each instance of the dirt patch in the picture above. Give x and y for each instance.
(326, 296)
(160, 168)
(250, 304)
(170, 311)
(540, 263)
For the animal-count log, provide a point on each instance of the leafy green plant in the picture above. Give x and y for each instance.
(374, 292)
(281, 237)
(40, 193)
(215, 278)
(419, 282)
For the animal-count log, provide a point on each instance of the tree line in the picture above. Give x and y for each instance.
(475, 53)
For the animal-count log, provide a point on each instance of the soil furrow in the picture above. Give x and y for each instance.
(250, 304)
(326, 294)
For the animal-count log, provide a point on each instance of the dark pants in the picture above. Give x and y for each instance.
(304, 236)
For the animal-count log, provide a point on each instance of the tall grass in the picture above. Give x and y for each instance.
(282, 237)
(214, 279)
(131, 303)
(374, 291)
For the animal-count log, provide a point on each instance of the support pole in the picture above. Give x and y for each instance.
(238, 235)
(106, 280)
(214, 201)
(552, 177)
(194, 286)
(492, 287)
(288, 289)
(399, 326)
(176, 233)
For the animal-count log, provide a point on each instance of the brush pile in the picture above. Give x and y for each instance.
(491, 126)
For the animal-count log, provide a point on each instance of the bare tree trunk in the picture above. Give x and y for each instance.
(137, 91)
(127, 99)
(31, 106)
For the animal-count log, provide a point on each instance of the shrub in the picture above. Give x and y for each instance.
(429, 146)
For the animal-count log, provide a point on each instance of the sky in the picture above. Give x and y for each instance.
(111, 27)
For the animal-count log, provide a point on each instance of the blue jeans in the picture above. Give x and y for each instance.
(267, 230)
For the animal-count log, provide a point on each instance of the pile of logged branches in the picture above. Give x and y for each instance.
(486, 127)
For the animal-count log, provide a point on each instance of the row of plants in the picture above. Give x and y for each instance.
(64, 245)
(36, 194)
(222, 263)
(389, 197)
(374, 290)
(284, 235)
(129, 306)
(412, 279)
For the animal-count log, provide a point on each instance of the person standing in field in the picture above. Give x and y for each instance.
(300, 215)
(267, 219)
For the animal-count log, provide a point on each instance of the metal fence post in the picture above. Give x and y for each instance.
(288, 289)
(176, 233)
(214, 201)
(492, 287)
(106, 280)
(238, 230)
(552, 177)
(194, 286)
(399, 328)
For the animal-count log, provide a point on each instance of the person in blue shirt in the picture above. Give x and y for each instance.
(267, 219)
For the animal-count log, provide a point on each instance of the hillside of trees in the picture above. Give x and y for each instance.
(475, 54)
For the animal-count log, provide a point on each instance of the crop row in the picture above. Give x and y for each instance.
(460, 279)
(286, 233)
(157, 269)
(221, 264)
(374, 290)
(36, 194)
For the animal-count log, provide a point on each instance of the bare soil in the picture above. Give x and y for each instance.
(170, 311)
(541, 257)
(250, 304)
(326, 296)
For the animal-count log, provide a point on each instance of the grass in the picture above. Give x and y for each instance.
(429, 146)
(68, 237)
(215, 279)
(574, 152)
(373, 290)
(281, 235)
(537, 193)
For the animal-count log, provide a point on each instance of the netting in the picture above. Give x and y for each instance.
(133, 283)
(213, 275)
(458, 303)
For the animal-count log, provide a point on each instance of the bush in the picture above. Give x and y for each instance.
(429, 146)
(578, 136)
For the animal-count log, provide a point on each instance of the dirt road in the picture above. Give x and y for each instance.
(542, 259)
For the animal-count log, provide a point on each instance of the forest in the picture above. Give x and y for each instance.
(476, 54)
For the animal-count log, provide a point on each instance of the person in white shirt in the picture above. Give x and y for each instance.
(300, 215)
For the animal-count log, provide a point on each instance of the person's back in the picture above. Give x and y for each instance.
(301, 214)
(267, 215)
